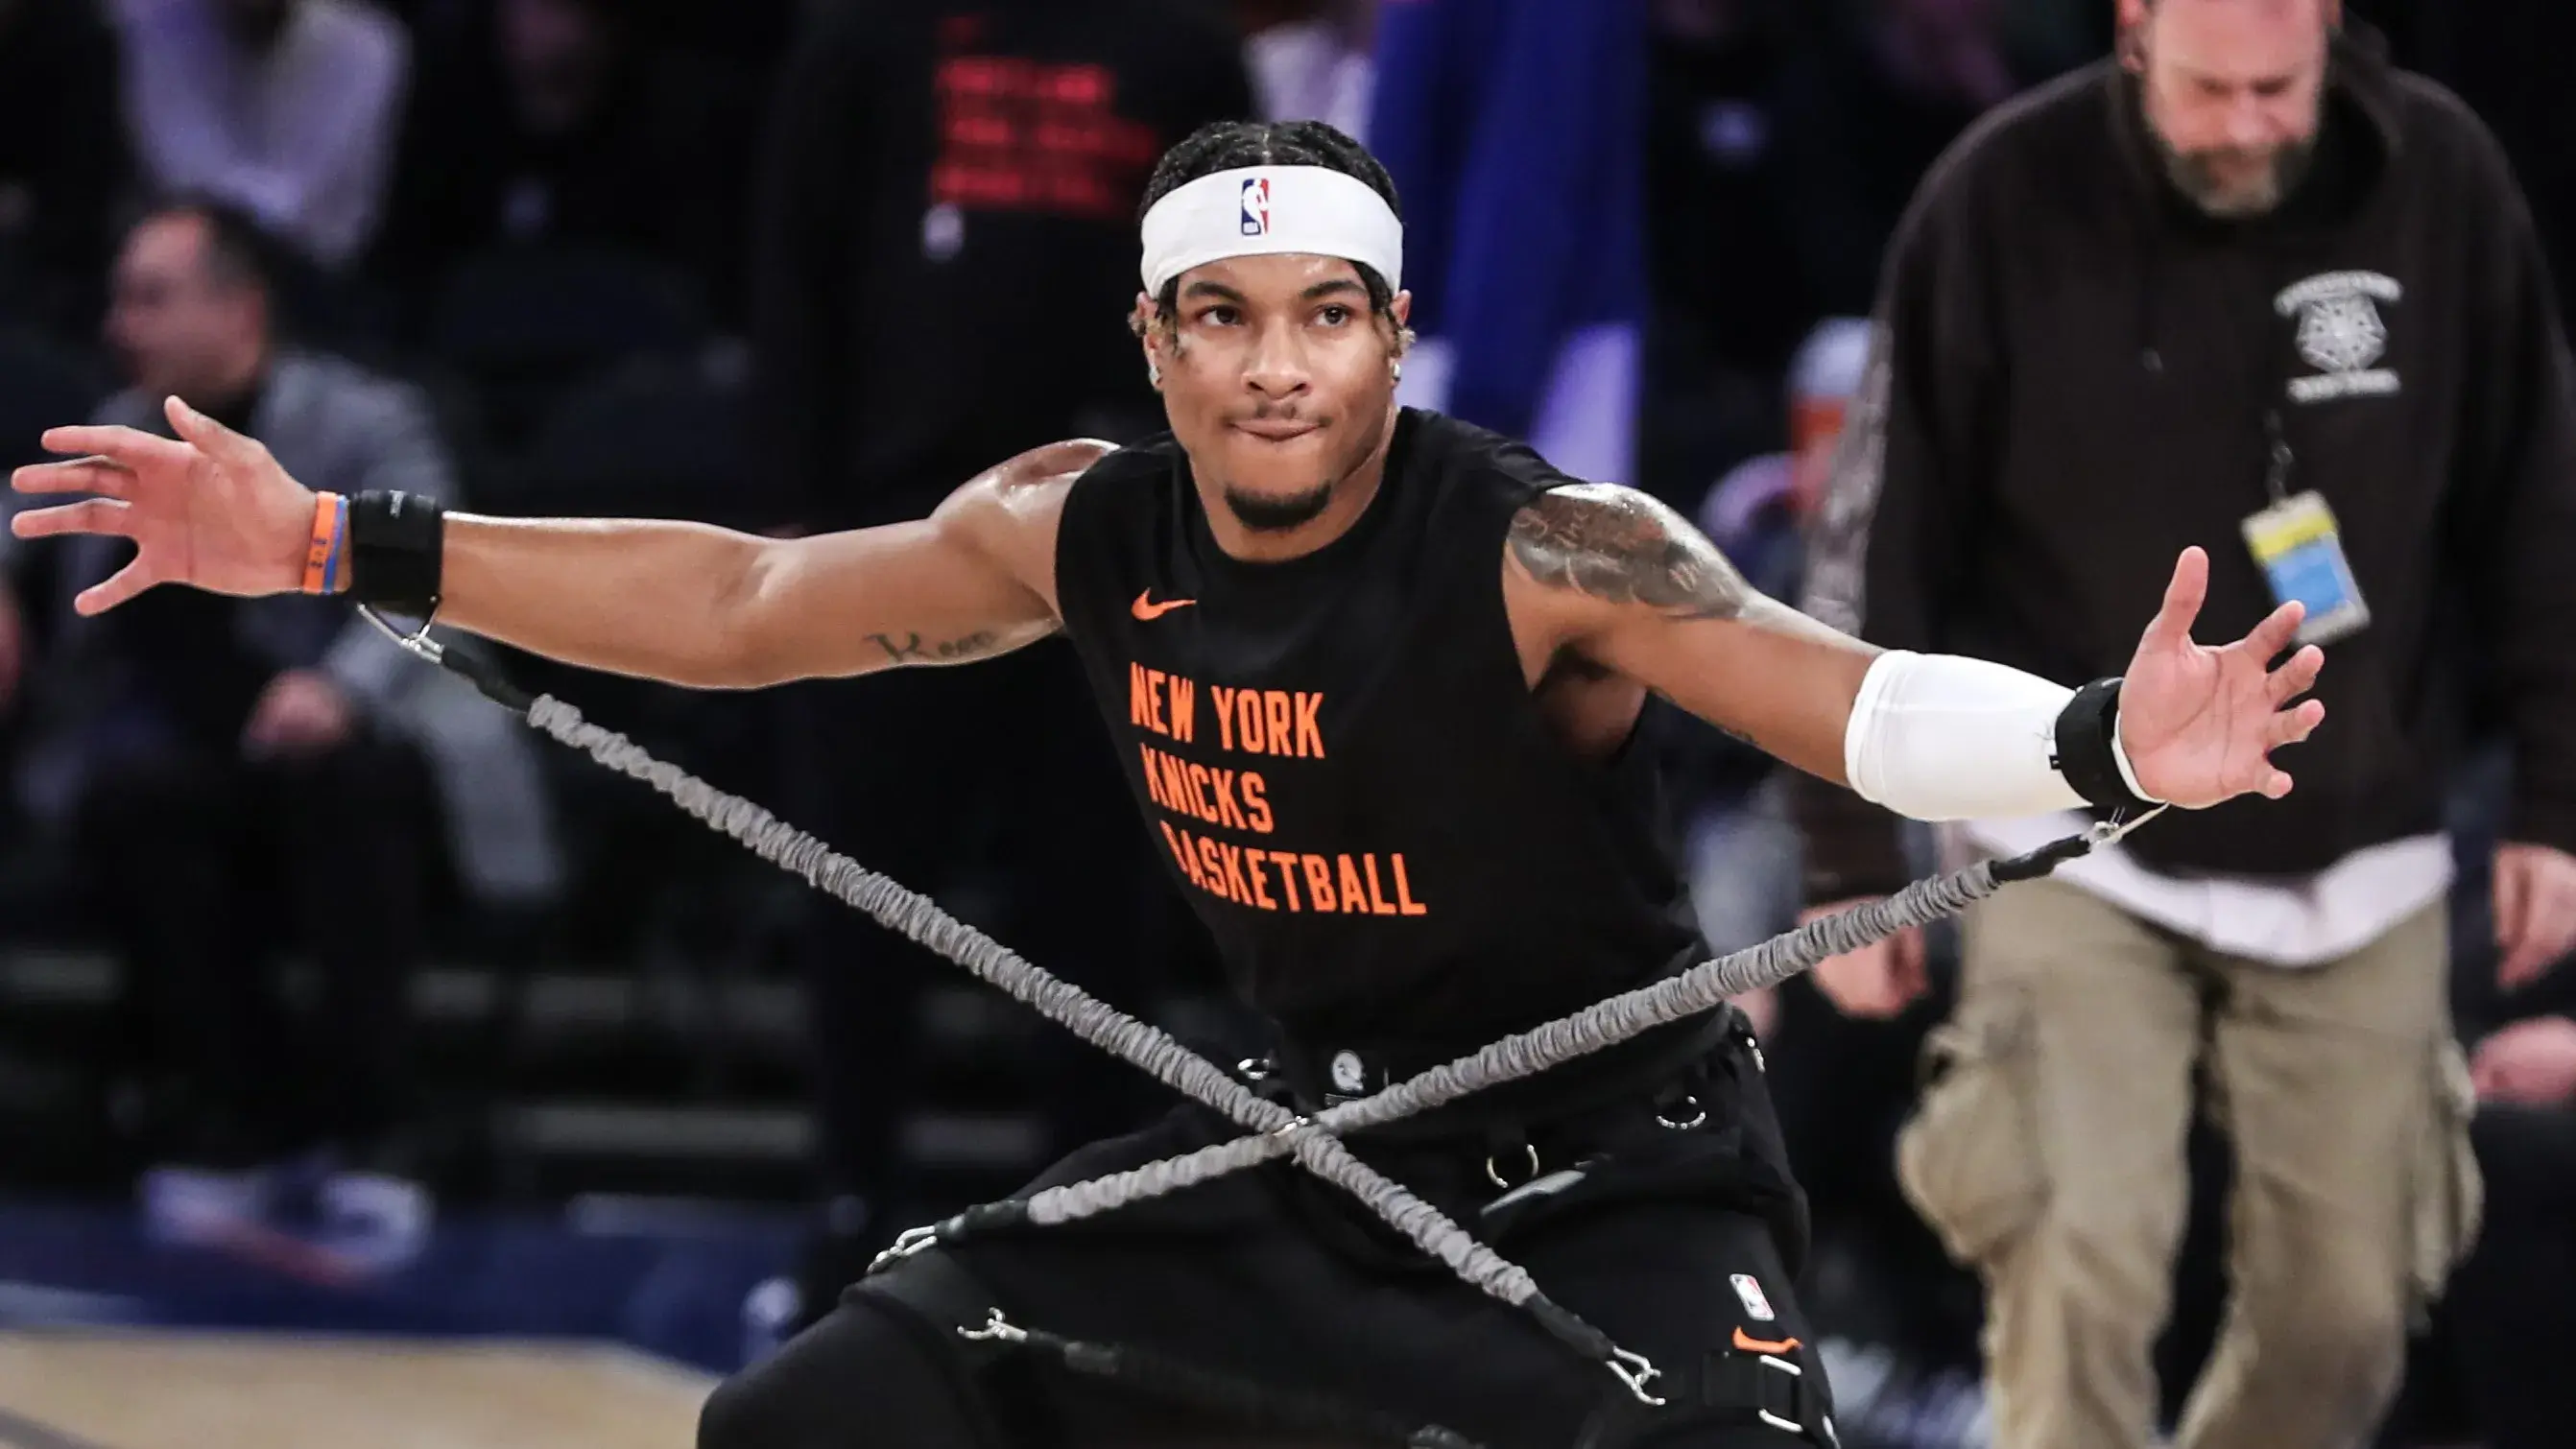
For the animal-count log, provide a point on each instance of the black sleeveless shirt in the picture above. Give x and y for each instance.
(1342, 764)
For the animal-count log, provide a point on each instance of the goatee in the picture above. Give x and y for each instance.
(1266, 513)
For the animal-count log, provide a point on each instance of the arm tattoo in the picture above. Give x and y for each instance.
(913, 649)
(1622, 546)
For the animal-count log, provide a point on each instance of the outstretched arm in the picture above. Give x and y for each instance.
(679, 602)
(1611, 575)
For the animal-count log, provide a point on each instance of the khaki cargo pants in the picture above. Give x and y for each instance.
(2047, 1151)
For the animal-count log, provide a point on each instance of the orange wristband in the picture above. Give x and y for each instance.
(325, 541)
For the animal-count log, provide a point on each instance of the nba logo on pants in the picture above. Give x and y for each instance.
(1256, 206)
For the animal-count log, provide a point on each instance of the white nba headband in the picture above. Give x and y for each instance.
(1263, 210)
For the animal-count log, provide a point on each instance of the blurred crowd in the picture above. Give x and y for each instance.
(799, 266)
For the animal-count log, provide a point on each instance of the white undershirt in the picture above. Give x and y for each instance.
(2297, 921)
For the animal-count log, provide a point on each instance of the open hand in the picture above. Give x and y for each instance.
(211, 509)
(2198, 723)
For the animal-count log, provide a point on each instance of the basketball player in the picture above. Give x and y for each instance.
(1375, 674)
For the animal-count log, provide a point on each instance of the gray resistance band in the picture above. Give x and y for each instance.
(1310, 1140)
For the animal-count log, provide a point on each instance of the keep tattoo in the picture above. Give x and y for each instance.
(1620, 545)
(912, 649)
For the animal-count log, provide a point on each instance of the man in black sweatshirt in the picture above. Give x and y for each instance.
(2250, 288)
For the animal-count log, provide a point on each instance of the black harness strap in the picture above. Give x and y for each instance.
(1738, 1388)
(1237, 1400)
(936, 1291)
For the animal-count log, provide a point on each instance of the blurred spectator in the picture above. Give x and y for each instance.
(1310, 61)
(2248, 289)
(1517, 140)
(62, 159)
(285, 108)
(1743, 847)
(944, 262)
(221, 770)
(556, 121)
(1863, 114)
(1842, 1086)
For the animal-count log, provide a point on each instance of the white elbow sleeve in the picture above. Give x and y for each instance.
(1940, 737)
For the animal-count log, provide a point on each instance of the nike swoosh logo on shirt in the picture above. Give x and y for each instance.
(1149, 611)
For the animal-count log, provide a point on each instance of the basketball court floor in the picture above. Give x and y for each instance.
(177, 1390)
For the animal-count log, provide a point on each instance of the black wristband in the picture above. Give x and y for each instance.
(2082, 753)
(396, 541)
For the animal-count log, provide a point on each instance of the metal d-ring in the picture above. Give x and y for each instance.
(906, 1243)
(996, 1328)
(1789, 1367)
(1636, 1371)
(1494, 1174)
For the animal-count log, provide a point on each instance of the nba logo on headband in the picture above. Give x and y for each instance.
(1250, 211)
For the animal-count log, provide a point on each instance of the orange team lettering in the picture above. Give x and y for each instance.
(1254, 806)
(1310, 735)
(1224, 699)
(1404, 901)
(1260, 884)
(1287, 863)
(1214, 865)
(1176, 783)
(1153, 777)
(1248, 719)
(1227, 814)
(1352, 892)
(1377, 903)
(1180, 852)
(1231, 857)
(1319, 881)
(1275, 715)
(1140, 707)
(1154, 701)
(1200, 783)
(1184, 708)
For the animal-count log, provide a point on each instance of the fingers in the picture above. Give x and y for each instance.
(2171, 627)
(120, 586)
(2278, 631)
(2484, 1080)
(2290, 726)
(212, 438)
(78, 475)
(2516, 904)
(2545, 925)
(95, 515)
(2295, 677)
(2285, 727)
(128, 447)
(2553, 927)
